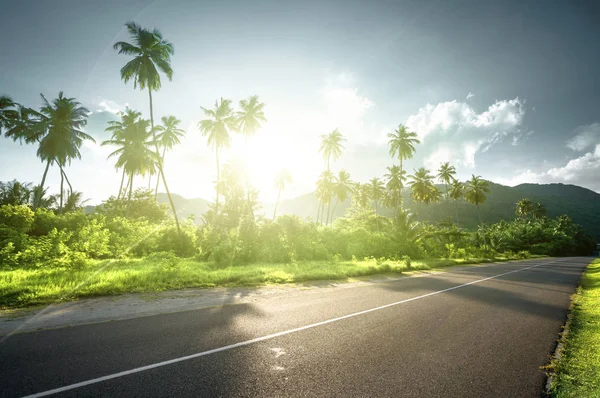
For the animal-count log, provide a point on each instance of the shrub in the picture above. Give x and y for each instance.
(17, 217)
(407, 260)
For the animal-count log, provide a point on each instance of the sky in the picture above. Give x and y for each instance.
(508, 90)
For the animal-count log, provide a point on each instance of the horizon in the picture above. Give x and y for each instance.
(486, 102)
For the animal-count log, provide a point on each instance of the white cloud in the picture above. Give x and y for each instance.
(585, 137)
(583, 171)
(470, 95)
(110, 106)
(458, 131)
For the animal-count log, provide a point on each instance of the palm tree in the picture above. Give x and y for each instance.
(524, 208)
(56, 128)
(456, 193)
(363, 194)
(8, 112)
(151, 54)
(281, 180)
(216, 127)
(475, 192)
(446, 174)
(15, 193)
(324, 191)
(402, 143)
(332, 146)
(422, 187)
(376, 191)
(169, 136)
(248, 120)
(395, 183)
(119, 130)
(538, 211)
(342, 187)
(74, 202)
(135, 152)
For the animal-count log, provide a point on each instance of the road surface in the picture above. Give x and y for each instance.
(470, 332)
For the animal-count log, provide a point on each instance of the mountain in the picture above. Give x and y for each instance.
(581, 204)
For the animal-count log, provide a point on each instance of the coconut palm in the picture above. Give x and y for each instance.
(151, 54)
(475, 192)
(341, 189)
(15, 193)
(135, 152)
(8, 112)
(395, 178)
(538, 211)
(332, 146)
(524, 208)
(362, 192)
(281, 180)
(456, 193)
(422, 187)
(56, 128)
(74, 202)
(324, 191)
(402, 143)
(169, 135)
(216, 127)
(446, 174)
(376, 192)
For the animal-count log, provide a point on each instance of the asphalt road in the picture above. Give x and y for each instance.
(471, 332)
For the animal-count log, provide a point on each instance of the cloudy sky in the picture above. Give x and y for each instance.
(508, 90)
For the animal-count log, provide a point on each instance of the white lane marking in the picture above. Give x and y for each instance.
(267, 337)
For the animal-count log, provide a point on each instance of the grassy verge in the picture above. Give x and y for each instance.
(26, 287)
(576, 373)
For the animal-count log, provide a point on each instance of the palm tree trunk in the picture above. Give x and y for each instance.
(36, 202)
(121, 186)
(62, 180)
(402, 201)
(276, 204)
(319, 212)
(130, 186)
(218, 182)
(334, 207)
(328, 209)
(150, 181)
(68, 182)
(479, 217)
(158, 180)
(160, 169)
(456, 208)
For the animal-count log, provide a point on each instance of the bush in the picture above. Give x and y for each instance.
(523, 254)
(17, 217)
(407, 260)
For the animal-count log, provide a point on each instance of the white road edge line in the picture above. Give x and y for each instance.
(263, 338)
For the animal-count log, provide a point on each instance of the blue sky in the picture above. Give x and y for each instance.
(507, 90)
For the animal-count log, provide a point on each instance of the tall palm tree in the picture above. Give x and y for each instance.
(119, 130)
(8, 112)
(376, 190)
(281, 180)
(57, 129)
(169, 135)
(524, 208)
(422, 187)
(216, 127)
(341, 189)
(402, 143)
(135, 152)
(324, 191)
(446, 174)
(249, 117)
(475, 192)
(363, 194)
(151, 53)
(332, 146)
(395, 183)
(456, 193)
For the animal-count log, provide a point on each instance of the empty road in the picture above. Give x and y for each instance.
(470, 332)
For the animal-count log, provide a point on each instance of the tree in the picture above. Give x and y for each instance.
(248, 122)
(324, 191)
(216, 127)
(169, 136)
(376, 191)
(74, 202)
(332, 146)
(8, 112)
(475, 192)
(56, 128)
(524, 208)
(15, 193)
(341, 189)
(446, 174)
(456, 193)
(135, 152)
(151, 54)
(538, 211)
(395, 183)
(402, 143)
(281, 180)
(422, 187)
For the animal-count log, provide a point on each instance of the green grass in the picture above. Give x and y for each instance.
(576, 373)
(27, 287)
